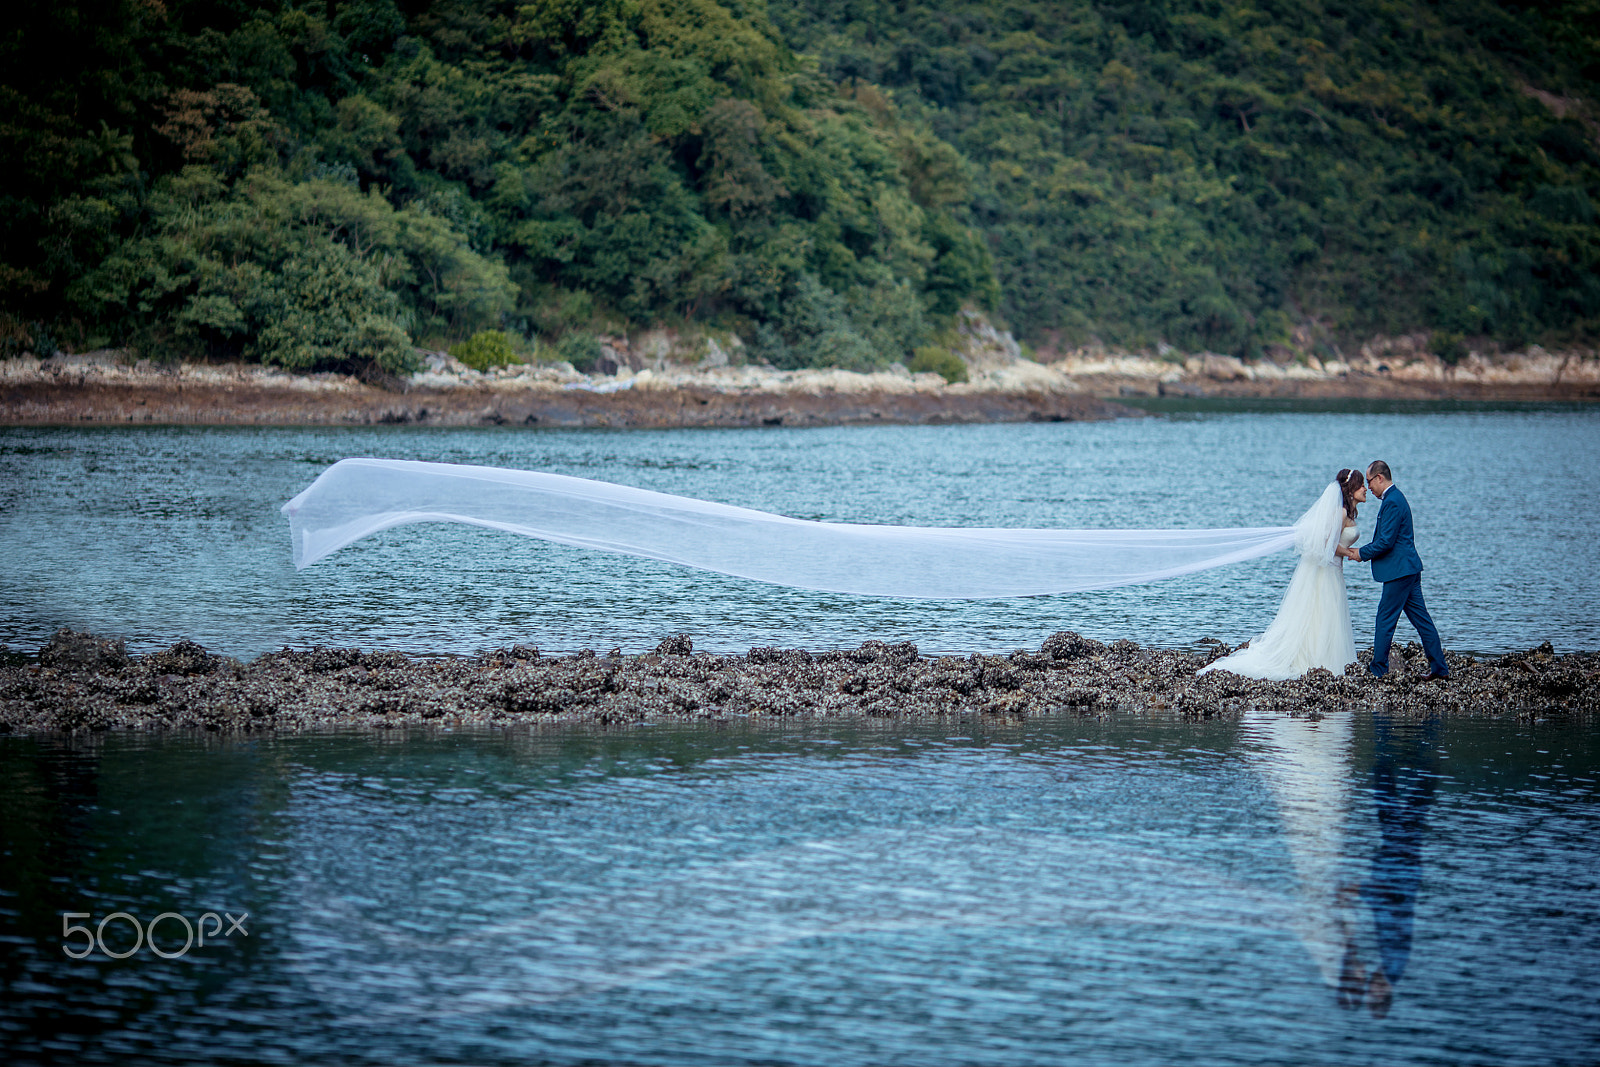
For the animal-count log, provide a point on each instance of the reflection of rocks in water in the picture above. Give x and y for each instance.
(79, 682)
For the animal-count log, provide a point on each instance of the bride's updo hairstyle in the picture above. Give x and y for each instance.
(1349, 481)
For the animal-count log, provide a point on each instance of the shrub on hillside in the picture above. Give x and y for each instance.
(1448, 346)
(940, 361)
(485, 349)
(580, 349)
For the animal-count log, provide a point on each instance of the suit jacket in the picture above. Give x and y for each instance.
(1392, 550)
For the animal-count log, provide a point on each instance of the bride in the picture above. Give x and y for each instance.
(1312, 627)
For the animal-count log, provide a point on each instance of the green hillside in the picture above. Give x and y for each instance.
(323, 185)
(1215, 174)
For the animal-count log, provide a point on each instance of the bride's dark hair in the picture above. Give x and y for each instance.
(1349, 481)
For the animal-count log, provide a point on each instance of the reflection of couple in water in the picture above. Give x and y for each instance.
(1348, 905)
(1306, 764)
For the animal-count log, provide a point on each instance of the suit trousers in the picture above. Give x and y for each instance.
(1405, 594)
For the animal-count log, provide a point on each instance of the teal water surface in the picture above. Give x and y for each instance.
(1135, 890)
(158, 533)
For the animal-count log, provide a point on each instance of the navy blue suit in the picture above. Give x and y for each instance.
(1393, 554)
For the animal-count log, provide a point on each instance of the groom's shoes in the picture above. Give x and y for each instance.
(1434, 676)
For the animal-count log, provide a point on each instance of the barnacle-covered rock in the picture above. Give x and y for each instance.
(677, 645)
(184, 657)
(70, 650)
(1066, 645)
(85, 683)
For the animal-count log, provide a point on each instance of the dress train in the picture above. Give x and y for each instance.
(1312, 628)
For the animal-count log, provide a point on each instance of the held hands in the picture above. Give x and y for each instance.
(1349, 553)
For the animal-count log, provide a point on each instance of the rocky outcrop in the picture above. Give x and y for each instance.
(661, 350)
(79, 683)
(981, 344)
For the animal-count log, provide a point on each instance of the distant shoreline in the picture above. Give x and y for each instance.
(82, 684)
(1088, 385)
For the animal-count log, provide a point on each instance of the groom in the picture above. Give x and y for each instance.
(1393, 555)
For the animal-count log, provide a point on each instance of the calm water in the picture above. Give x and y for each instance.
(158, 533)
(1129, 891)
(1121, 892)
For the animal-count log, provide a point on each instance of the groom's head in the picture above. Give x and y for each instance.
(1378, 476)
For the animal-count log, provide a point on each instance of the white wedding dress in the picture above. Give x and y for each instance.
(1312, 627)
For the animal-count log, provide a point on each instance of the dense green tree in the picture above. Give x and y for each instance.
(230, 269)
(321, 184)
(626, 163)
(1209, 173)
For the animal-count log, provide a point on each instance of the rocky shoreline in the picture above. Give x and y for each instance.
(1386, 368)
(1002, 386)
(81, 683)
(540, 399)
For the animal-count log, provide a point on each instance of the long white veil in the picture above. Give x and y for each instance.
(1316, 533)
(355, 498)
